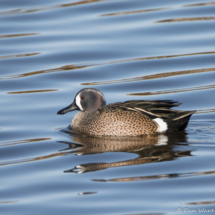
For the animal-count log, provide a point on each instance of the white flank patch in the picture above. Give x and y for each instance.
(78, 101)
(162, 126)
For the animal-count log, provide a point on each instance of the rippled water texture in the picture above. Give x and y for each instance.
(128, 49)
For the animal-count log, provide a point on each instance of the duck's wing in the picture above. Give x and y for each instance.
(176, 120)
(152, 108)
(148, 104)
(158, 109)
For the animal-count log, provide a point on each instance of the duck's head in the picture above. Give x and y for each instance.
(88, 99)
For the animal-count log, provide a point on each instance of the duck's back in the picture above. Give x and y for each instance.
(112, 120)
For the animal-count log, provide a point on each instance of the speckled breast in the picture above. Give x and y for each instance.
(113, 122)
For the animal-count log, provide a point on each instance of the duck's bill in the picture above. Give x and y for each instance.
(68, 109)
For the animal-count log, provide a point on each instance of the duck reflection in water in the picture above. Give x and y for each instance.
(149, 149)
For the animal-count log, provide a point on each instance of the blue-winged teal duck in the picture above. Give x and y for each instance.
(131, 118)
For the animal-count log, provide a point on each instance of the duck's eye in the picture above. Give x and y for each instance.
(82, 97)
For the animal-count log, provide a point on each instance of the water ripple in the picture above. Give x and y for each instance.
(17, 142)
(18, 55)
(150, 77)
(23, 75)
(181, 90)
(200, 4)
(154, 177)
(17, 35)
(32, 91)
(19, 161)
(33, 10)
(132, 12)
(188, 19)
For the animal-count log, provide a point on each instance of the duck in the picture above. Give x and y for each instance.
(129, 118)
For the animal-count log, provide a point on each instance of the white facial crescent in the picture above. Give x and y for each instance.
(78, 101)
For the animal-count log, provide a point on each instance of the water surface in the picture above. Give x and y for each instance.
(128, 49)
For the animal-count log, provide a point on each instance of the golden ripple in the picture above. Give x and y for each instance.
(63, 68)
(201, 203)
(31, 91)
(188, 19)
(157, 57)
(17, 35)
(132, 12)
(33, 10)
(154, 177)
(200, 4)
(18, 55)
(150, 77)
(181, 90)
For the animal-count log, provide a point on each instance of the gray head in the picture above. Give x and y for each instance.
(88, 99)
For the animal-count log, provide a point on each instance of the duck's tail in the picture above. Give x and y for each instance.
(180, 122)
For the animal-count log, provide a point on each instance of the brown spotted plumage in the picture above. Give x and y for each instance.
(112, 120)
(131, 118)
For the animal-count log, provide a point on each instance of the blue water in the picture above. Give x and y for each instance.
(128, 49)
